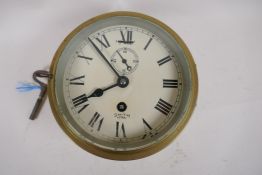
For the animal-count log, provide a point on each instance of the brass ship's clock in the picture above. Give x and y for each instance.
(122, 85)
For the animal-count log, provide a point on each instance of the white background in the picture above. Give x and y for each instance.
(224, 135)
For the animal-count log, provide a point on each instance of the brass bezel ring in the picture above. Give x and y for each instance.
(133, 154)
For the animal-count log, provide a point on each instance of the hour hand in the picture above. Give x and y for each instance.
(103, 56)
(99, 92)
(122, 82)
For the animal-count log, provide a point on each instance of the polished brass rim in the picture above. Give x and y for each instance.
(123, 155)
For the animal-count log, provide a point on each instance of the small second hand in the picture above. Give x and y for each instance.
(124, 61)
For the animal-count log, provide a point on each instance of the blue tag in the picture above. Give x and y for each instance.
(26, 87)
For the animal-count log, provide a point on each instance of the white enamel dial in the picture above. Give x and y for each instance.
(122, 84)
(150, 98)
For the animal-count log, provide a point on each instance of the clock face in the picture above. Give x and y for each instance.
(122, 84)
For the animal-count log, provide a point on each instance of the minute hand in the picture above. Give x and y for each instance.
(102, 55)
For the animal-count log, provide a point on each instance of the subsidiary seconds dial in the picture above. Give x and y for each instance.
(120, 84)
(125, 60)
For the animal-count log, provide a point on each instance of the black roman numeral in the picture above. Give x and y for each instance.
(170, 83)
(148, 130)
(82, 108)
(78, 102)
(103, 41)
(120, 127)
(147, 44)
(146, 124)
(163, 107)
(127, 37)
(94, 119)
(77, 80)
(85, 57)
(164, 60)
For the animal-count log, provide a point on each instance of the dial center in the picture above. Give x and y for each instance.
(122, 81)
